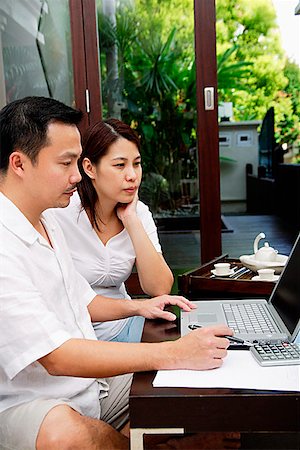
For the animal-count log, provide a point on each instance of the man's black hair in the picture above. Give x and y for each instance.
(24, 124)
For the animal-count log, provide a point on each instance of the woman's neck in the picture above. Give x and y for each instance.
(108, 223)
(106, 212)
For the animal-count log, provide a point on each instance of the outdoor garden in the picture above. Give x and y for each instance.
(148, 80)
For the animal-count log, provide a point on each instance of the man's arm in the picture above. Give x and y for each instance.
(102, 309)
(201, 349)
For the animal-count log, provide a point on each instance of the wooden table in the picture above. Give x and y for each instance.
(186, 410)
(199, 283)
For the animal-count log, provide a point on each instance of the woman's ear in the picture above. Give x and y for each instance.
(89, 168)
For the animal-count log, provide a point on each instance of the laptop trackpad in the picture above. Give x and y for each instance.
(208, 318)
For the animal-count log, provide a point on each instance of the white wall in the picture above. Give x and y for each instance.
(238, 141)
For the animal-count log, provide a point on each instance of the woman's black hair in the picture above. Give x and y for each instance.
(95, 144)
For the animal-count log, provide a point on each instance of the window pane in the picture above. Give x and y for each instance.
(259, 117)
(36, 50)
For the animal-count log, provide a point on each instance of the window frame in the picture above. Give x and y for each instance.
(85, 51)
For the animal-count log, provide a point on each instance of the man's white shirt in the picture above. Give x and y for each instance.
(43, 303)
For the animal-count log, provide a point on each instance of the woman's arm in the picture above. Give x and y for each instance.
(154, 274)
(102, 309)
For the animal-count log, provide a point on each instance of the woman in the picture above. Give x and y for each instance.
(107, 228)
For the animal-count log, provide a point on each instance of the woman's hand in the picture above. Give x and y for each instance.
(154, 307)
(127, 210)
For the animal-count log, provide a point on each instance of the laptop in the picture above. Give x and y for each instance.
(257, 320)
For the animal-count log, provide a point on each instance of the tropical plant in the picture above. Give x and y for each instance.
(156, 75)
(154, 191)
(232, 75)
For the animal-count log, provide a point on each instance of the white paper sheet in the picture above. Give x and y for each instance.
(239, 370)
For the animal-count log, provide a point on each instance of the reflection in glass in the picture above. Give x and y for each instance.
(36, 50)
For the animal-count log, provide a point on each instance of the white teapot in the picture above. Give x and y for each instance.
(264, 258)
(265, 253)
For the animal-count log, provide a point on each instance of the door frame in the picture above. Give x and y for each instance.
(207, 130)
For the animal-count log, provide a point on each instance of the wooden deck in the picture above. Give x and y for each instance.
(182, 249)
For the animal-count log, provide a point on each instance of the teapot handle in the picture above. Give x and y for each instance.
(256, 241)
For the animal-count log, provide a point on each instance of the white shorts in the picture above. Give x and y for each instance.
(19, 425)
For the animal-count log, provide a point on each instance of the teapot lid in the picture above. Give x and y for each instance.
(266, 247)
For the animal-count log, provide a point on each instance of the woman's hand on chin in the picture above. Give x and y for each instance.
(126, 211)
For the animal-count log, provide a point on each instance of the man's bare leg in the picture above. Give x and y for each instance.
(66, 429)
(126, 430)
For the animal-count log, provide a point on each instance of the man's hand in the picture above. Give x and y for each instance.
(154, 307)
(201, 349)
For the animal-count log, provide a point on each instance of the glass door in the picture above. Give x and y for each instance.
(148, 81)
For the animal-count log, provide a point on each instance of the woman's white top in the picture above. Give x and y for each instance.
(105, 267)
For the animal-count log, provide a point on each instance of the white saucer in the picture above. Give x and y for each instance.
(231, 271)
(253, 264)
(257, 278)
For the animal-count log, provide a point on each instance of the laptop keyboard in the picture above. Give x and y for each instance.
(284, 353)
(248, 318)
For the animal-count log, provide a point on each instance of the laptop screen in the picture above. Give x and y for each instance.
(285, 297)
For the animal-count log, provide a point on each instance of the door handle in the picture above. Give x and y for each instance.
(209, 103)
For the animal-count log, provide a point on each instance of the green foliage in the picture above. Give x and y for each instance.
(158, 61)
(251, 27)
(287, 107)
(154, 191)
(156, 80)
(292, 89)
(271, 81)
(158, 17)
(297, 159)
(107, 37)
(232, 75)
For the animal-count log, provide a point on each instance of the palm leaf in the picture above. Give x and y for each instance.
(232, 75)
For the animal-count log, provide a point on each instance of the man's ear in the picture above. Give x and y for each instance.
(89, 168)
(16, 162)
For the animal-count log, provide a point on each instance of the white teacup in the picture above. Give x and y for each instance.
(266, 274)
(222, 268)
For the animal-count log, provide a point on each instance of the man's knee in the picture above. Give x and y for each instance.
(64, 429)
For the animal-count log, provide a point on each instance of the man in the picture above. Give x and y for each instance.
(60, 387)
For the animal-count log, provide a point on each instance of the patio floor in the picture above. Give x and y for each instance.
(182, 249)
